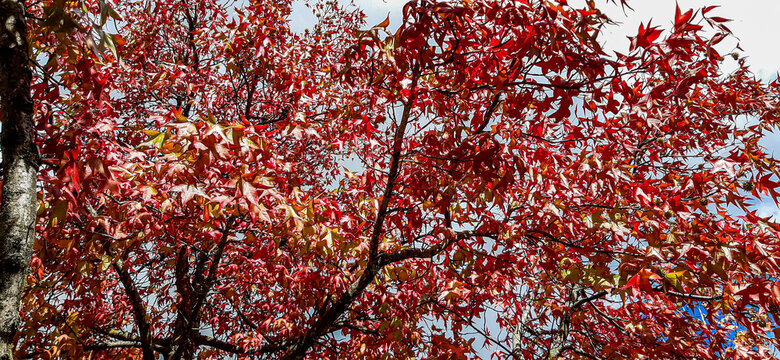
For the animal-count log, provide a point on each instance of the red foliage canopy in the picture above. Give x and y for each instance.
(484, 180)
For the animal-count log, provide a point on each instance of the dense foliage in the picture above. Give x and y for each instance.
(484, 181)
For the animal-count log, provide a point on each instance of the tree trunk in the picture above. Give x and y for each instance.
(20, 160)
(561, 338)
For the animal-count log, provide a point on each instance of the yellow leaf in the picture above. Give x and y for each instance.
(674, 277)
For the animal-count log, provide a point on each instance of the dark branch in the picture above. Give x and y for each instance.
(373, 265)
(139, 311)
(588, 299)
(435, 249)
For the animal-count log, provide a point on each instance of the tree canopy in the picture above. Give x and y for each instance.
(484, 181)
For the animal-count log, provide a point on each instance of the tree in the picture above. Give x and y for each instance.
(485, 179)
(20, 165)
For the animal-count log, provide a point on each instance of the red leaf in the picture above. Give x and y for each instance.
(681, 19)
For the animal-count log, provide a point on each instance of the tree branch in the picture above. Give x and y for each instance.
(188, 318)
(609, 319)
(139, 311)
(113, 345)
(552, 238)
(122, 337)
(519, 334)
(561, 338)
(692, 296)
(373, 265)
(588, 299)
(406, 254)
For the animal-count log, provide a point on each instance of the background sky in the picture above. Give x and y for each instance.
(754, 23)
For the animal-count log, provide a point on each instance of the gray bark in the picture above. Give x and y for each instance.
(520, 333)
(20, 168)
(561, 338)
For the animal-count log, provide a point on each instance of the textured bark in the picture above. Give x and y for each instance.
(20, 168)
(560, 343)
